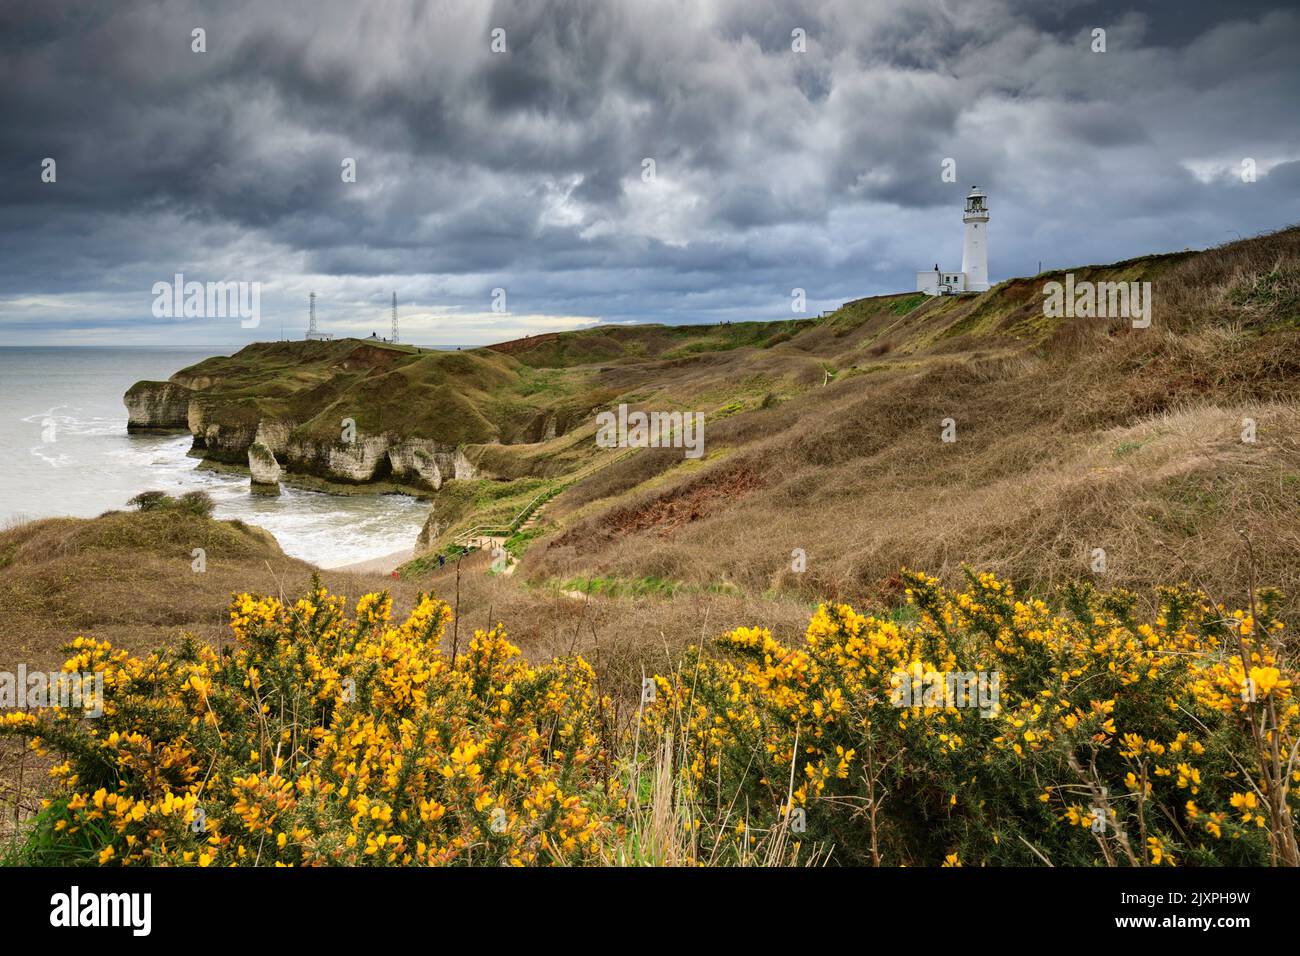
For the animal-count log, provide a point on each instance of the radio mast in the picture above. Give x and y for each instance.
(312, 333)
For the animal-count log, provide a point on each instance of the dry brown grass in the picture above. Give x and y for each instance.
(128, 577)
(1070, 437)
(1093, 435)
(619, 636)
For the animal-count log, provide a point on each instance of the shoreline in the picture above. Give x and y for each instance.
(384, 564)
(322, 485)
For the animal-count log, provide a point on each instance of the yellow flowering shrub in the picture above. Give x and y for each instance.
(324, 738)
(1109, 740)
(1084, 735)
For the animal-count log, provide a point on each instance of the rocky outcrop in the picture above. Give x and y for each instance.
(264, 468)
(429, 533)
(265, 408)
(359, 460)
(274, 448)
(463, 468)
(421, 463)
(418, 462)
(157, 406)
(225, 441)
(274, 435)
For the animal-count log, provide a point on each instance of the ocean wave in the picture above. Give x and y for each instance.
(82, 473)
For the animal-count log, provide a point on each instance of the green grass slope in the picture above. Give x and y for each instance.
(1071, 435)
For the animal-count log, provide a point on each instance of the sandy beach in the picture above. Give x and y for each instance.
(381, 565)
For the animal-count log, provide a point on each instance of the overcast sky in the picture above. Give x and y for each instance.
(525, 170)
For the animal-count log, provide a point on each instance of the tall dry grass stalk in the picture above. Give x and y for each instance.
(668, 825)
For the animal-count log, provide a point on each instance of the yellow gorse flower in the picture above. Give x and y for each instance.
(1102, 722)
(323, 738)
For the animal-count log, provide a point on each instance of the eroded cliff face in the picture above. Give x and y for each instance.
(417, 462)
(225, 435)
(423, 463)
(365, 458)
(266, 408)
(218, 438)
(274, 435)
(430, 532)
(157, 406)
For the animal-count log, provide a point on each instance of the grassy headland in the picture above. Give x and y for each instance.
(1171, 449)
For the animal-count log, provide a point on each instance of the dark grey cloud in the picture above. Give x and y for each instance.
(523, 170)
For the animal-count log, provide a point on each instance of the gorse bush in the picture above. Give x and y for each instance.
(1088, 737)
(198, 503)
(1112, 741)
(321, 738)
(149, 500)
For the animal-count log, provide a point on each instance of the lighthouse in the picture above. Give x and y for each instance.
(975, 249)
(974, 275)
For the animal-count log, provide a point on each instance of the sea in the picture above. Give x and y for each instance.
(65, 451)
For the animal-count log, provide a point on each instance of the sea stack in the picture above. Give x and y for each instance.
(157, 407)
(265, 470)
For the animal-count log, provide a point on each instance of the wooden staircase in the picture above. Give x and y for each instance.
(530, 516)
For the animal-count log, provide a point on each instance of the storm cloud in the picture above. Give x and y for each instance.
(526, 170)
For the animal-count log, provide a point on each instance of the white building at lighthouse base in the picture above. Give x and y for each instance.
(937, 282)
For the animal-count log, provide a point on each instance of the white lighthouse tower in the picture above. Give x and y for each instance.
(975, 250)
(974, 275)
